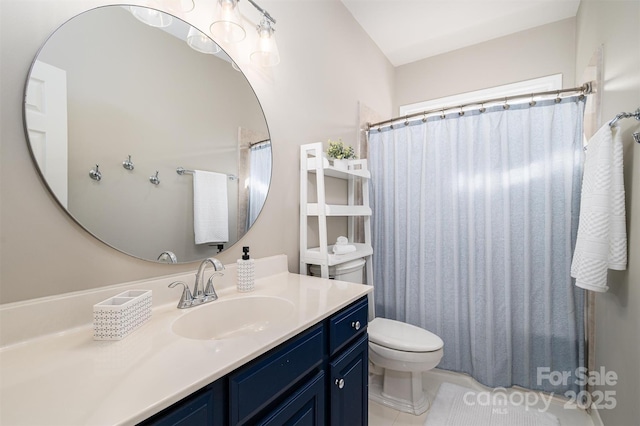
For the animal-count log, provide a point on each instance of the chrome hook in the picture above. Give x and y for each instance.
(154, 179)
(128, 164)
(532, 102)
(95, 174)
(482, 108)
(506, 104)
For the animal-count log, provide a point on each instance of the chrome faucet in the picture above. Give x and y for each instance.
(201, 294)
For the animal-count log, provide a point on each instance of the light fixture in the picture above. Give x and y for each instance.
(197, 40)
(227, 23)
(265, 53)
(187, 5)
(151, 17)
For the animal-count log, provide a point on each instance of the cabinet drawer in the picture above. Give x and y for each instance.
(348, 324)
(253, 387)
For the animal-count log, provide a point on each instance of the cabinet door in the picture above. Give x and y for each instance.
(204, 408)
(349, 386)
(304, 407)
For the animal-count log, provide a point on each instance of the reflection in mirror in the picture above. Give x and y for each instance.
(106, 89)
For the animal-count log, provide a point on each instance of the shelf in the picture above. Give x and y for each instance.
(315, 166)
(338, 210)
(335, 172)
(313, 256)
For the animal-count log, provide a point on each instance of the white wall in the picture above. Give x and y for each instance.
(616, 25)
(328, 65)
(541, 51)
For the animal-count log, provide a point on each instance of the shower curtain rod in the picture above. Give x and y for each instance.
(585, 89)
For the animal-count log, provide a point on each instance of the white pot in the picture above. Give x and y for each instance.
(340, 164)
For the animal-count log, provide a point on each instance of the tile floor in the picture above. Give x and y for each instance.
(384, 416)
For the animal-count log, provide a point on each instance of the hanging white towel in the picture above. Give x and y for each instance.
(210, 207)
(602, 237)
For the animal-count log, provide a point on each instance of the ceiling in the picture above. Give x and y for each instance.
(409, 30)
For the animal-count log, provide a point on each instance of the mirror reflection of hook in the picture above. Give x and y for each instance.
(154, 179)
(128, 164)
(95, 174)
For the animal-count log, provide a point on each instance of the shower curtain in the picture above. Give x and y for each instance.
(259, 179)
(474, 224)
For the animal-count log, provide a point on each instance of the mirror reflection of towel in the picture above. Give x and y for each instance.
(210, 207)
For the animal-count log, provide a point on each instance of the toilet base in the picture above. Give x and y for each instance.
(399, 390)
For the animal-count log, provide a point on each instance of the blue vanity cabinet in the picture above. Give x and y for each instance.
(319, 377)
(274, 376)
(349, 366)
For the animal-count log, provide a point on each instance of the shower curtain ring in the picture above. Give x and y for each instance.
(506, 104)
(558, 99)
(406, 120)
(442, 115)
(532, 102)
(482, 108)
(424, 117)
(461, 113)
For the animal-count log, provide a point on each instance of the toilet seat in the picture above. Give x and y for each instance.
(401, 336)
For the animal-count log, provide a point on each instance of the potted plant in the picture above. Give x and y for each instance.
(340, 153)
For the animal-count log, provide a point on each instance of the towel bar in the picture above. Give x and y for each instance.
(182, 170)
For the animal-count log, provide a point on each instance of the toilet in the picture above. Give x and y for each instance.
(398, 353)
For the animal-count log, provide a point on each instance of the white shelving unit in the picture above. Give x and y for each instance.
(313, 161)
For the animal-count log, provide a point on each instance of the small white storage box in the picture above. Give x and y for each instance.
(116, 317)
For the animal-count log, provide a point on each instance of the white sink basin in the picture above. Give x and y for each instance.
(233, 318)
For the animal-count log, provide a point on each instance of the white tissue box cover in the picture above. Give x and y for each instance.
(116, 317)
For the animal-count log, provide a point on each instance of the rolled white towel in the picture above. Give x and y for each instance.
(343, 248)
(342, 241)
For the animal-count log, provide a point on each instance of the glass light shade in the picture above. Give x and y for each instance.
(227, 22)
(266, 52)
(187, 5)
(151, 17)
(197, 40)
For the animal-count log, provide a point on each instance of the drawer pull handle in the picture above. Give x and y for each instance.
(340, 383)
(356, 325)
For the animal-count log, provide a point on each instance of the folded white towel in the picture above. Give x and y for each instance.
(602, 237)
(343, 248)
(210, 207)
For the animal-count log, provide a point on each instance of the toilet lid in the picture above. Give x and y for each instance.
(402, 336)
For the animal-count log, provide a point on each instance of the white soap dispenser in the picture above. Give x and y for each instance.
(246, 272)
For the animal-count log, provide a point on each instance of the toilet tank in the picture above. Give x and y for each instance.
(351, 271)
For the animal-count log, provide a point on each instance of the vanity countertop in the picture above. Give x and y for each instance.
(70, 379)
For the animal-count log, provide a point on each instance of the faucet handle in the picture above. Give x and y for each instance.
(209, 291)
(186, 300)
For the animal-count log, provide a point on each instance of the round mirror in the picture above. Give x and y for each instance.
(147, 135)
